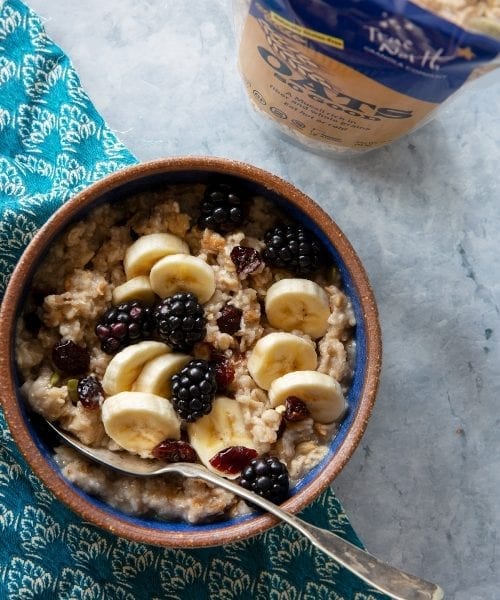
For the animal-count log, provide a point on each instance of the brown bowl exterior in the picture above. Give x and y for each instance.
(13, 296)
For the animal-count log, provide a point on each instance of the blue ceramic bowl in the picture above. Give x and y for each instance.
(36, 444)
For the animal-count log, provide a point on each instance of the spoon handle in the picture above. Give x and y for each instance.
(395, 583)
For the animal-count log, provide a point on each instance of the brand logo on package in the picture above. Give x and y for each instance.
(401, 42)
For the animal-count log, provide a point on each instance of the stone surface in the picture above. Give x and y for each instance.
(424, 215)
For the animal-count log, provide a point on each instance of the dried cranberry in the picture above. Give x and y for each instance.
(230, 319)
(246, 260)
(232, 460)
(175, 451)
(90, 392)
(224, 371)
(70, 358)
(295, 409)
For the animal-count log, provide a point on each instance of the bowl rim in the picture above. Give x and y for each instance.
(13, 294)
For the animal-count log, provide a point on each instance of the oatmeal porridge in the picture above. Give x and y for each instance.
(195, 323)
(482, 15)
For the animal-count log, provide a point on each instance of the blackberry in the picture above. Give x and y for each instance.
(221, 208)
(292, 247)
(180, 321)
(124, 324)
(268, 477)
(193, 390)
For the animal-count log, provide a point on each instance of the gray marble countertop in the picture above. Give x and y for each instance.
(422, 489)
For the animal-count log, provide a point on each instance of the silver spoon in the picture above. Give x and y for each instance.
(393, 582)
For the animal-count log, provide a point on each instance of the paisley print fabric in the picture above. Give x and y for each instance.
(53, 143)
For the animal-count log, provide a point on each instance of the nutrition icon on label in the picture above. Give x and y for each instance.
(278, 112)
(259, 97)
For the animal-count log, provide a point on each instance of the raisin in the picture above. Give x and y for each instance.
(32, 323)
(246, 260)
(224, 371)
(230, 319)
(90, 392)
(175, 451)
(232, 460)
(295, 409)
(70, 358)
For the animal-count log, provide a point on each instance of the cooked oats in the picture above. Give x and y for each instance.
(76, 282)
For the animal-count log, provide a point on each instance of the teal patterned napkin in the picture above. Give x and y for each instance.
(53, 143)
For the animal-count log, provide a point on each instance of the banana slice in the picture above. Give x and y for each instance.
(321, 393)
(279, 353)
(137, 288)
(183, 273)
(145, 251)
(125, 367)
(138, 421)
(298, 304)
(156, 374)
(222, 428)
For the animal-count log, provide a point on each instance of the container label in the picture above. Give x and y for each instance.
(354, 76)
